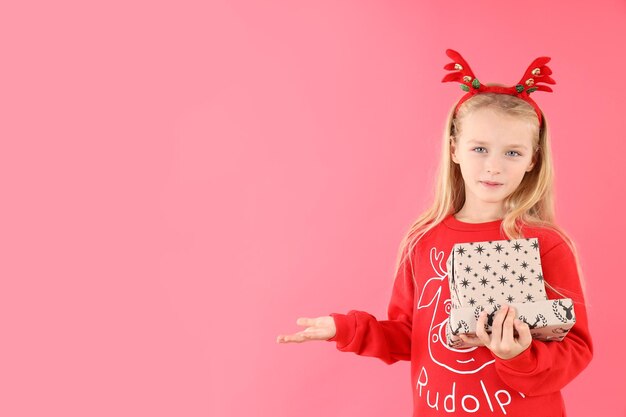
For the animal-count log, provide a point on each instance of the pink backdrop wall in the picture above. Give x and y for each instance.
(182, 180)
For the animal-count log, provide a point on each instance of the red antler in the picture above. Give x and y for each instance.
(461, 67)
(537, 72)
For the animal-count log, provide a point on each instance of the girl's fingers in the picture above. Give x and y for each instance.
(310, 333)
(507, 327)
(498, 322)
(293, 338)
(470, 340)
(285, 339)
(319, 328)
(524, 338)
(481, 333)
(305, 321)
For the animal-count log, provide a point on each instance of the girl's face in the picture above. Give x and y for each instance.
(492, 147)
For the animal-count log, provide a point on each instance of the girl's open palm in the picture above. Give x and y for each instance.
(319, 328)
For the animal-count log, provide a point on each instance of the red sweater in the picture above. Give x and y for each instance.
(470, 381)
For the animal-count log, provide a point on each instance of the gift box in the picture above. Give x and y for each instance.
(486, 275)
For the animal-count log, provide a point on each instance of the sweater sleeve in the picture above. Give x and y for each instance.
(547, 367)
(389, 340)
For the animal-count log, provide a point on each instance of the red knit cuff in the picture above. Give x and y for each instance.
(525, 362)
(345, 325)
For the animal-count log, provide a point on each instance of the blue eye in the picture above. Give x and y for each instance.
(480, 147)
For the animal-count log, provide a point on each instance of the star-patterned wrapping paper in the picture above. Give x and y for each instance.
(482, 273)
(486, 275)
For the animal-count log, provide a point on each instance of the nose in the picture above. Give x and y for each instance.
(493, 164)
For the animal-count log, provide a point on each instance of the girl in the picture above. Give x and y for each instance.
(495, 182)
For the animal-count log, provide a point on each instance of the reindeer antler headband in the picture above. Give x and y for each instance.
(537, 72)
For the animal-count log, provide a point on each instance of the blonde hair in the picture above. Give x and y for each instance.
(532, 203)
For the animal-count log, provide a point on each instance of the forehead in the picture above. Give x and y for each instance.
(487, 126)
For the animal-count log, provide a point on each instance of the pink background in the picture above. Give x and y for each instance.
(182, 180)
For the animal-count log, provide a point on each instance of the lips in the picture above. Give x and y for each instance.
(491, 185)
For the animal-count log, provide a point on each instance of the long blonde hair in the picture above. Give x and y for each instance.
(532, 203)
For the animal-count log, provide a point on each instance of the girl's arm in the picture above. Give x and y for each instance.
(547, 367)
(388, 340)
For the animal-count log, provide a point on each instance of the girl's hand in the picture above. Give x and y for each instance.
(503, 342)
(320, 328)
(471, 340)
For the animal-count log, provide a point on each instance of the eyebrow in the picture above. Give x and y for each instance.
(514, 146)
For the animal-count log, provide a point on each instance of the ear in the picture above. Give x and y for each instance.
(453, 150)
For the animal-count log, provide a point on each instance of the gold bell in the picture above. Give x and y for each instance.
(536, 71)
(458, 66)
(467, 79)
(530, 82)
